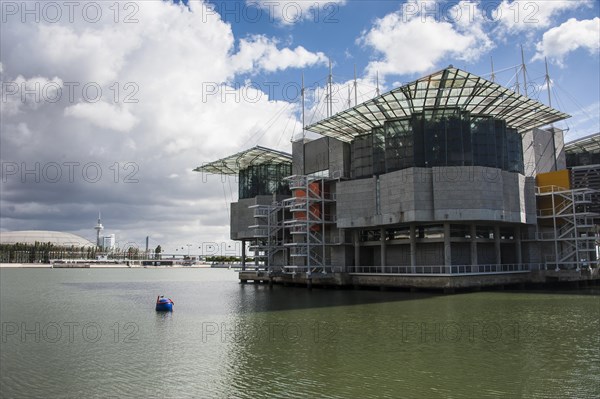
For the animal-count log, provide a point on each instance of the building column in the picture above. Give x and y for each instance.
(243, 255)
(356, 248)
(518, 244)
(256, 253)
(447, 248)
(497, 245)
(383, 249)
(413, 249)
(473, 245)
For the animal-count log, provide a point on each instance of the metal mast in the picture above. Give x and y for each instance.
(548, 83)
(330, 104)
(524, 69)
(355, 88)
(302, 94)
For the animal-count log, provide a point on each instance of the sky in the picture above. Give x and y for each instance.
(108, 106)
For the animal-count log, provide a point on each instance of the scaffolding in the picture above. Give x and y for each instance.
(307, 225)
(573, 234)
(270, 235)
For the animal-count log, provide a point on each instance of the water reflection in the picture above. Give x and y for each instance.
(224, 339)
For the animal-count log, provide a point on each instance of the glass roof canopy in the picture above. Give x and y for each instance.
(232, 164)
(448, 88)
(585, 144)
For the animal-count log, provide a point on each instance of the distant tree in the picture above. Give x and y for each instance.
(158, 251)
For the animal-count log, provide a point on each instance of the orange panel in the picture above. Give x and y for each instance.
(560, 178)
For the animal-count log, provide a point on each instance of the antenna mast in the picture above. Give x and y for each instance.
(349, 96)
(548, 82)
(524, 69)
(355, 88)
(302, 94)
(517, 80)
(330, 106)
(493, 77)
(377, 77)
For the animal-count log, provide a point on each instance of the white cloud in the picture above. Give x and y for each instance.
(173, 55)
(288, 12)
(30, 93)
(258, 52)
(573, 34)
(584, 121)
(518, 16)
(103, 115)
(415, 43)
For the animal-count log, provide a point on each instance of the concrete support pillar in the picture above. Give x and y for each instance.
(497, 245)
(383, 248)
(518, 249)
(243, 255)
(256, 253)
(447, 248)
(356, 248)
(413, 249)
(473, 245)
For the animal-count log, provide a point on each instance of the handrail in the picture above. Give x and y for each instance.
(448, 270)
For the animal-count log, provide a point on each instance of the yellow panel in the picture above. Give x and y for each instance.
(560, 178)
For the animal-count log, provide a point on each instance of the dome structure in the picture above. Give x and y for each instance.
(42, 236)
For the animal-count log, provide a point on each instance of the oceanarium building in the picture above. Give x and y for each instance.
(450, 175)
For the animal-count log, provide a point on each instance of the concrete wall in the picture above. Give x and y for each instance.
(325, 153)
(298, 157)
(398, 255)
(342, 255)
(406, 195)
(316, 155)
(529, 205)
(242, 217)
(436, 194)
(430, 253)
(339, 159)
(543, 151)
(355, 203)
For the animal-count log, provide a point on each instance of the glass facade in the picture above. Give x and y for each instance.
(265, 179)
(362, 156)
(437, 137)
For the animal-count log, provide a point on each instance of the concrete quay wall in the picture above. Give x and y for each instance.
(444, 283)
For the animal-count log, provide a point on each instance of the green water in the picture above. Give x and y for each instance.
(94, 333)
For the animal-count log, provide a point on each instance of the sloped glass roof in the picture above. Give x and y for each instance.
(448, 88)
(589, 143)
(232, 164)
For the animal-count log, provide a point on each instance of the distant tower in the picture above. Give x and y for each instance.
(99, 229)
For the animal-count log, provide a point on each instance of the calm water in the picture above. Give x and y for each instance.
(94, 333)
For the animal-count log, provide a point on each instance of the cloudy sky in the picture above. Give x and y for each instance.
(108, 106)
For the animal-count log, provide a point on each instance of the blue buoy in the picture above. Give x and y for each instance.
(164, 304)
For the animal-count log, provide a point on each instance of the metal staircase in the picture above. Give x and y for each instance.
(307, 225)
(269, 228)
(573, 232)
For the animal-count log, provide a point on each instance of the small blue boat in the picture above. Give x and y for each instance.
(164, 304)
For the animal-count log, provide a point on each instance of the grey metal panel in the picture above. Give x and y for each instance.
(298, 157)
(242, 216)
(316, 155)
(355, 203)
(339, 159)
